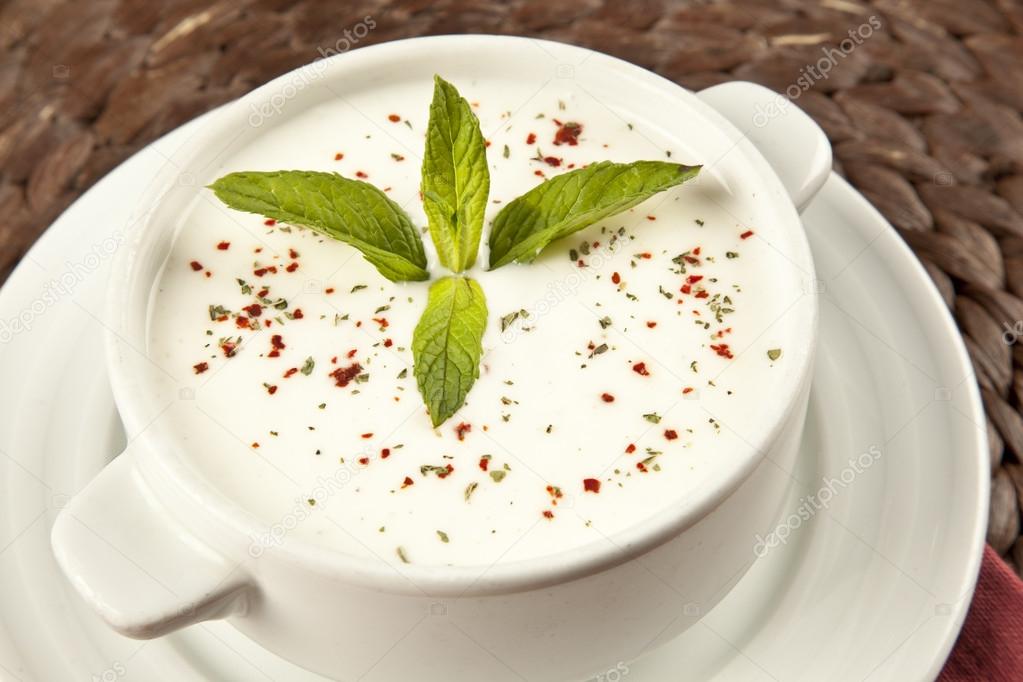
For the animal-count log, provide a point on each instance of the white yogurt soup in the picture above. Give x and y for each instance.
(622, 369)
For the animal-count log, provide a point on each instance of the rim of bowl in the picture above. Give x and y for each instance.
(131, 394)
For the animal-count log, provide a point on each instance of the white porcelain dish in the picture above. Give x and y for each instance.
(183, 550)
(874, 588)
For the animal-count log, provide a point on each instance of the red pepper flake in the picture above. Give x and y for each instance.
(394, 118)
(607, 397)
(693, 279)
(328, 290)
(462, 429)
(269, 222)
(224, 246)
(687, 390)
(339, 156)
(388, 343)
(407, 482)
(364, 461)
(746, 235)
(360, 174)
(343, 376)
(702, 293)
(254, 445)
(262, 293)
(292, 253)
(591, 485)
(484, 463)
(552, 161)
(229, 348)
(630, 448)
(641, 466)
(298, 314)
(201, 367)
(259, 272)
(382, 321)
(539, 173)
(367, 436)
(351, 354)
(568, 133)
(385, 453)
(646, 255)
(671, 434)
(548, 514)
(555, 494)
(640, 369)
(291, 372)
(195, 265)
(277, 345)
(271, 389)
(254, 310)
(242, 322)
(651, 217)
(651, 324)
(616, 278)
(531, 138)
(723, 350)
(292, 267)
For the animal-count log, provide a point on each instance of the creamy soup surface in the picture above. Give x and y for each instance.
(620, 369)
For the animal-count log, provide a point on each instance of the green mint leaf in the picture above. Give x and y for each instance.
(447, 345)
(575, 200)
(351, 211)
(456, 180)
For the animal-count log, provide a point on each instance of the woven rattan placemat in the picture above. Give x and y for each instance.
(921, 100)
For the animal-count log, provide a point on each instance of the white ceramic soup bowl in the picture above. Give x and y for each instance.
(153, 546)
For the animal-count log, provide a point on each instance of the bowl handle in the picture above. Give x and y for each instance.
(135, 565)
(792, 143)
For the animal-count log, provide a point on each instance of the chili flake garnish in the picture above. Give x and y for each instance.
(343, 375)
(407, 482)
(485, 462)
(607, 397)
(591, 485)
(531, 138)
(462, 429)
(224, 246)
(746, 235)
(723, 350)
(394, 118)
(671, 434)
(567, 133)
(277, 344)
(269, 222)
(548, 514)
(640, 369)
(631, 448)
(201, 367)
(195, 265)
(616, 278)
(254, 310)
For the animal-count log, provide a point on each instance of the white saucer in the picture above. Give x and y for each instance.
(875, 586)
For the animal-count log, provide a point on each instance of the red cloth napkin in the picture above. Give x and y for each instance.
(990, 646)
